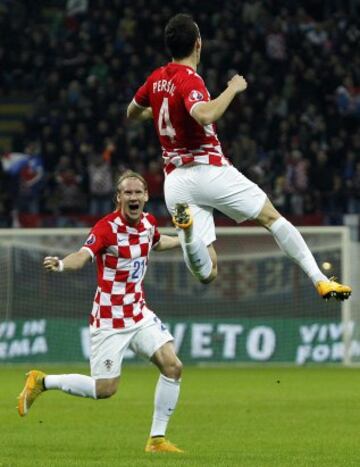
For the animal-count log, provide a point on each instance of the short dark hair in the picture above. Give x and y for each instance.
(181, 33)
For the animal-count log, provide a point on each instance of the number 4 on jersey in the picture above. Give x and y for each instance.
(164, 123)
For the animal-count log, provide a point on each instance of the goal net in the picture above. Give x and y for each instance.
(262, 307)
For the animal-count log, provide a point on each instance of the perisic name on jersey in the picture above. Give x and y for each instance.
(164, 86)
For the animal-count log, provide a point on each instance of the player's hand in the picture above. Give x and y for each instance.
(237, 83)
(52, 264)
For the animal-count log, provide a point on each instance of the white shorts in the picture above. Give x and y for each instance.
(205, 188)
(108, 346)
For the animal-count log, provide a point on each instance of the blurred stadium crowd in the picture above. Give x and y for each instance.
(295, 131)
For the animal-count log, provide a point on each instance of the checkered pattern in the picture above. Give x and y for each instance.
(207, 154)
(122, 253)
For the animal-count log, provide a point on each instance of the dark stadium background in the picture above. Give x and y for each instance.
(69, 69)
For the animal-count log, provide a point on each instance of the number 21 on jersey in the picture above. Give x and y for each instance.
(138, 269)
(164, 123)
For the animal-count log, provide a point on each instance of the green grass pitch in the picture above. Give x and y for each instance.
(226, 417)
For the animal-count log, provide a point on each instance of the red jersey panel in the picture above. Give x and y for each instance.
(172, 91)
(122, 253)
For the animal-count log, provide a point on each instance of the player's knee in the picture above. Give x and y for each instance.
(173, 369)
(211, 278)
(268, 215)
(104, 390)
(178, 367)
(268, 221)
(105, 393)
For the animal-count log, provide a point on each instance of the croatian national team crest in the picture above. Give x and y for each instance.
(108, 364)
(195, 96)
(91, 240)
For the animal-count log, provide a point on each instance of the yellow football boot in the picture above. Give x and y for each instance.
(329, 289)
(182, 216)
(34, 386)
(160, 444)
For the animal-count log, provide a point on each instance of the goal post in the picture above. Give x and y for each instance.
(262, 308)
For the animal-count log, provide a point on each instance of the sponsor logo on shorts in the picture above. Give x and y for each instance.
(160, 324)
(195, 96)
(91, 240)
(108, 364)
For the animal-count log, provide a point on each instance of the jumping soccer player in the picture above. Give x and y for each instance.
(121, 243)
(198, 176)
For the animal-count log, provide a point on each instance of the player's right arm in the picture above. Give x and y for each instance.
(209, 112)
(71, 262)
(134, 112)
(94, 244)
(139, 108)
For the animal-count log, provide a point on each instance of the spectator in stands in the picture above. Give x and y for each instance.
(26, 172)
(155, 180)
(31, 181)
(68, 192)
(348, 97)
(5, 199)
(296, 181)
(353, 190)
(100, 185)
(322, 178)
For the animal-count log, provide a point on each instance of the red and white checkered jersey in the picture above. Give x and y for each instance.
(122, 253)
(173, 91)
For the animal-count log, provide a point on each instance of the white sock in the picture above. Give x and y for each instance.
(292, 243)
(77, 385)
(166, 397)
(196, 255)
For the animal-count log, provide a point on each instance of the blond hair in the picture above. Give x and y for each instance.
(130, 174)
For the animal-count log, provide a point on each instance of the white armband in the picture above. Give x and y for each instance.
(61, 265)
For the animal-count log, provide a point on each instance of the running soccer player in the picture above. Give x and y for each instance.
(121, 243)
(199, 178)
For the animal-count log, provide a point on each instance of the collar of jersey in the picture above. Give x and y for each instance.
(182, 66)
(125, 222)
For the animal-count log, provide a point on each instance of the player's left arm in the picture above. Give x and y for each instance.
(207, 112)
(167, 242)
(135, 112)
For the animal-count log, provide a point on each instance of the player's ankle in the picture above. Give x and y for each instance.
(188, 234)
